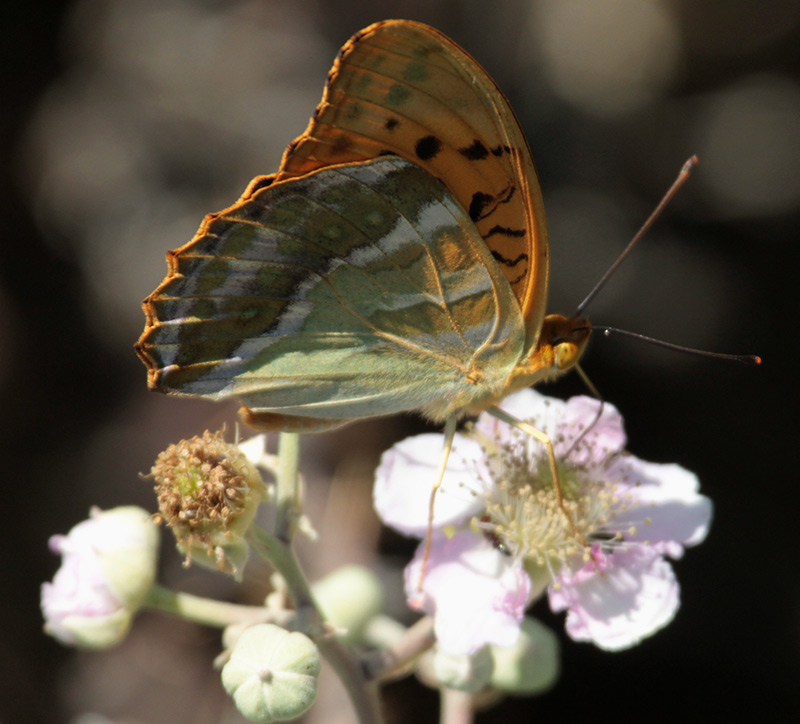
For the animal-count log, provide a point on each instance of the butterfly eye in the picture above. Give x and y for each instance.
(569, 348)
(567, 352)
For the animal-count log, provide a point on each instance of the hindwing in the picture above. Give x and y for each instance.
(356, 290)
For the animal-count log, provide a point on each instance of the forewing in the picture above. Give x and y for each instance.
(357, 290)
(405, 88)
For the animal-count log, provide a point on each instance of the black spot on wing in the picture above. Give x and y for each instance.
(505, 197)
(483, 205)
(427, 147)
(479, 202)
(505, 231)
(391, 123)
(500, 259)
(475, 152)
(517, 280)
(500, 150)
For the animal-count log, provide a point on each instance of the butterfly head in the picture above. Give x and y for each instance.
(560, 346)
(566, 337)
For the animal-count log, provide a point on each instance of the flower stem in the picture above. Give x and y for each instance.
(281, 556)
(456, 707)
(277, 550)
(363, 694)
(206, 610)
(398, 647)
(287, 494)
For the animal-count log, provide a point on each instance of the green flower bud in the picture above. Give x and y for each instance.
(464, 672)
(272, 674)
(530, 666)
(349, 597)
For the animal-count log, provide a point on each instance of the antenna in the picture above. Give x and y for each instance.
(685, 171)
(748, 359)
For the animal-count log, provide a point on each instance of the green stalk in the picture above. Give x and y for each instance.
(206, 611)
(287, 493)
(277, 550)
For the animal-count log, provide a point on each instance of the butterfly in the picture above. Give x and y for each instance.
(397, 260)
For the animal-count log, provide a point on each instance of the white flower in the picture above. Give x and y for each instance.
(476, 596)
(501, 535)
(109, 565)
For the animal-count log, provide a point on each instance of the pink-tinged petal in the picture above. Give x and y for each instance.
(476, 594)
(564, 422)
(108, 565)
(665, 506)
(632, 595)
(544, 413)
(407, 473)
(79, 588)
(605, 438)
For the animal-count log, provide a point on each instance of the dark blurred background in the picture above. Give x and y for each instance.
(125, 121)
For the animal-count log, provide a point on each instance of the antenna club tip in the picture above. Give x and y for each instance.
(756, 359)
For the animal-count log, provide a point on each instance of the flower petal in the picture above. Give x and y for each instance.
(254, 449)
(630, 595)
(606, 436)
(666, 508)
(406, 475)
(544, 413)
(563, 422)
(476, 594)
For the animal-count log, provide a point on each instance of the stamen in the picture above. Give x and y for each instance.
(523, 515)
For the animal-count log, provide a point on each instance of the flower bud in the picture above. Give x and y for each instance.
(349, 597)
(464, 672)
(530, 666)
(208, 493)
(109, 565)
(272, 674)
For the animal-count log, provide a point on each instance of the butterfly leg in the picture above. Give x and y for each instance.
(543, 438)
(586, 430)
(449, 435)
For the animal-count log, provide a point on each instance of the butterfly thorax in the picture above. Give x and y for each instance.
(560, 346)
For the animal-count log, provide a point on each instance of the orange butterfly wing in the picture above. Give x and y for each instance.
(405, 88)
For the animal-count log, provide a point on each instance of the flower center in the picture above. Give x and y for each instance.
(522, 508)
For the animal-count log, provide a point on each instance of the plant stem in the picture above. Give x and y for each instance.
(363, 694)
(281, 556)
(277, 550)
(206, 610)
(456, 707)
(287, 494)
(398, 647)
